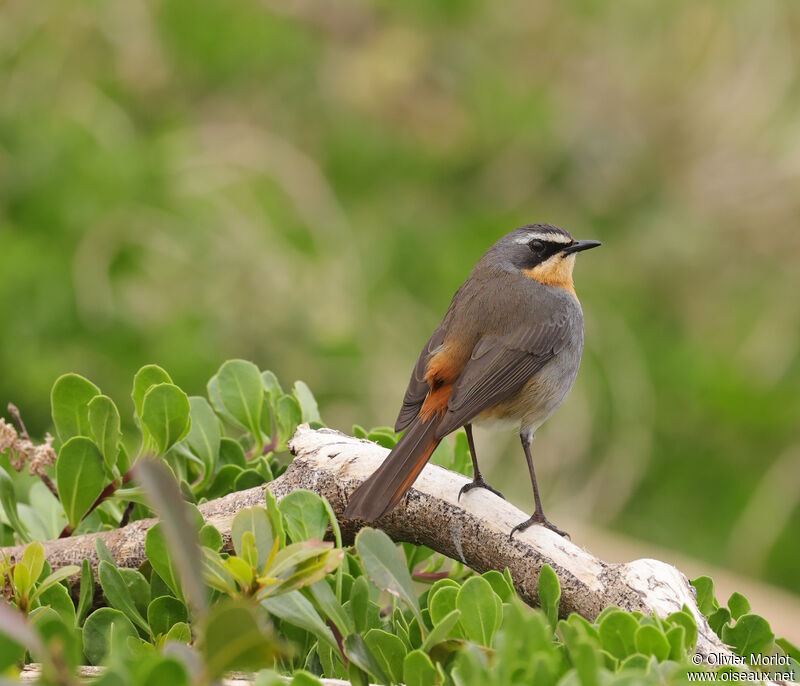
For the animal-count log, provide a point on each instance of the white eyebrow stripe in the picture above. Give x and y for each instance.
(547, 236)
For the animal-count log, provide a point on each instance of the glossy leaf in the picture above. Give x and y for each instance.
(117, 595)
(549, 593)
(617, 634)
(750, 635)
(358, 652)
(69, 404)
(8, 500)
(389, 651)
(81, 477)
(479, 611)
(165, 415)
(86, 594)
(163, 613)
(386, 566)
(102, 632)
(649, 640)
(234, 639)
(204, 435)
(304, 515)
(241, 392)
(418, 670)
(148, 376)
(105, 423)
(308, 404)
(297, 610)
(255, 520)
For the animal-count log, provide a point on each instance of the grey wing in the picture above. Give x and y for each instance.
(500, 366)
(418, 388)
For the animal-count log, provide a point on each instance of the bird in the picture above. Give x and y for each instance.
(506, 353)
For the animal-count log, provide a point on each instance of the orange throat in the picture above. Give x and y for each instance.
(557, 271)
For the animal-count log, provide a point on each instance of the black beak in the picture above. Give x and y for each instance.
(579, 246)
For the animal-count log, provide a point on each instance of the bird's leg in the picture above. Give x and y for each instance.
(477, 479)
(538, 514)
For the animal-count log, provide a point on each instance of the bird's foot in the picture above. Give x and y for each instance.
(479, 483)
(538, 518)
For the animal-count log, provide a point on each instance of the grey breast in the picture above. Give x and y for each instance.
(546, 390)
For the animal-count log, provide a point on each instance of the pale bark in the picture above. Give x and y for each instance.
(474, 531)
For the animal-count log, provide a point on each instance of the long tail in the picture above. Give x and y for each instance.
(382, 491)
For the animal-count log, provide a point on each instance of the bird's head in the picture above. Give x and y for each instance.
(542, 252)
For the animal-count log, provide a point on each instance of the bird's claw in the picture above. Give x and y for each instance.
(538, 518)
(479, 483)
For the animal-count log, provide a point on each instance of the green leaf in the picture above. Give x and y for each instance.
(105, 423)
(103, 553)
(81, 477)
(179, 633)
(479, 613)
(389, 652)
(86, 595)
(301, 564)
(649, 640)
(617, 634)
(751, 634)
(247, 479)
(500, 585)
(57, 598)
(706, 601)
(676, 637)
(148, 376)
(241, 391)
(295, 609)
(308, 405)
(223, 481)
(255, 520)
(442, 631)
(739, 605)
(686, 620)
(102, 632)
(288, 416)
(304, 515)
(69, 403)
(718, 619)
(59, 636)
(164, 612)
(386, 567)
(418, 670)
(165, 415)
(234, 639)
(442, 602)
(181, 523)
(359, 602)
(138, 588)
(11, 652)
(231, 453)
(272, 386)
(210, 537)
(204, 437)
(8, 499)
(157, 552)
(326, 600)
(56, 577)
(33, 559)
(549, 594)
(358, 652)
(116, 593)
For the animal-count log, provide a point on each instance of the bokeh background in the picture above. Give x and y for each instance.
(306, 184)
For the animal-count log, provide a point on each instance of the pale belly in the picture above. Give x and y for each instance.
(541, 395)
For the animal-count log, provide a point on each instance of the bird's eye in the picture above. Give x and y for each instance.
(536, 246)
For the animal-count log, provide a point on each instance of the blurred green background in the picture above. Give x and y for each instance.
(306, 184)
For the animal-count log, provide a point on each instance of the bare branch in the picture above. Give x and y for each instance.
(474, 531)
